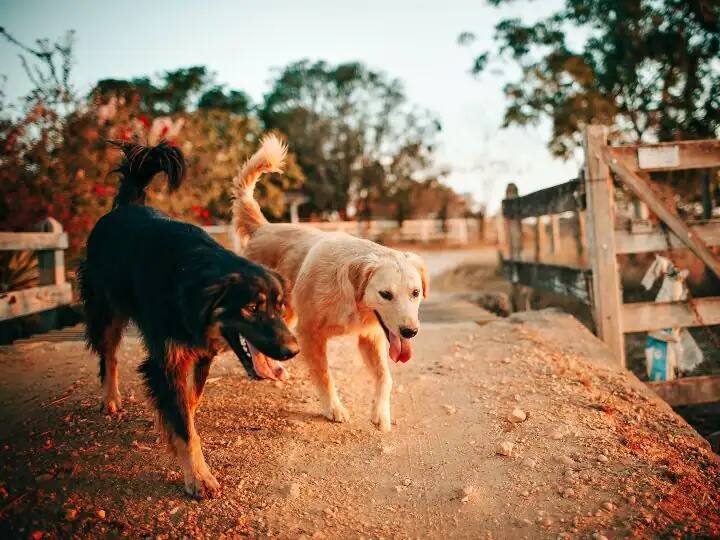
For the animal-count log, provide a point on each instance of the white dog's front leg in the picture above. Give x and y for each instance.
(373, 350)
(314, 352)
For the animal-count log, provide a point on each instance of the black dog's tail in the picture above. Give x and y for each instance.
(141, 164)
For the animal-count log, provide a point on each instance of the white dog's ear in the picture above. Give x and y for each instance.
(417, 262)
(359, 272)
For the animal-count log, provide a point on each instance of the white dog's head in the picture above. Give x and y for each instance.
(392, 287)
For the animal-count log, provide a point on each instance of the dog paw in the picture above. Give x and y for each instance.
(112, 404)
(382, 420)
(202, 485)
(337, 412)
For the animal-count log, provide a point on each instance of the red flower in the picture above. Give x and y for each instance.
(144, 120)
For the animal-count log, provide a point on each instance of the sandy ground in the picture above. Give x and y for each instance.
(596, 455)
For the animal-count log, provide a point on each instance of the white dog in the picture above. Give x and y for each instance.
(340, 284)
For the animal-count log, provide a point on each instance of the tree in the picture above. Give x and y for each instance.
(650, 68)
(345, 123)
(172, 92)
(55, 160)
(234, 101)
(48, 68)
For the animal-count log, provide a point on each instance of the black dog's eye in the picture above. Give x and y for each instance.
(415, 293)
(252, 308)
(387, 295)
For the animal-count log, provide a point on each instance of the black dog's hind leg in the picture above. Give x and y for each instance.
(108, 365)
(103, 331)
(175, 380)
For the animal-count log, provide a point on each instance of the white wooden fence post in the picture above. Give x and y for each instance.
(51, 270)
(51, 263)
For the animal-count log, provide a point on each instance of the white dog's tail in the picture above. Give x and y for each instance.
(247, 216)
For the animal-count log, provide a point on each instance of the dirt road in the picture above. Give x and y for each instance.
(596, 454)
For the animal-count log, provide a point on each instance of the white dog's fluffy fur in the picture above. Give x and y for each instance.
(340, 284)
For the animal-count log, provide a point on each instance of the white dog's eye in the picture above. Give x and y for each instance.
(415, 293)
(387, 295)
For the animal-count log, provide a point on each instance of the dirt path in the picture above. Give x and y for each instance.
(596, 455)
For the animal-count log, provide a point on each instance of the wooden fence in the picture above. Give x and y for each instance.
(458, 231)
(593, 277)
(52, 290)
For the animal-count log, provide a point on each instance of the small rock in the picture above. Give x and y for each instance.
(450, 409)
(291, 491)
(525, 493)
(100, 514)
(465, 493)
(558, 434)
(505, 448)
(529, 463)
(45, 477)
(608, 506)
(407, 482)
(71, 514)
(517, 416)
(567, 461)
(599, 536)
(568, 493)
(602, 458)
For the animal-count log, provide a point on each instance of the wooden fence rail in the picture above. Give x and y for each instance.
(592, 201)
(52, 290)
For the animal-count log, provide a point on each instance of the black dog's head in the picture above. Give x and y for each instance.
(250, 305)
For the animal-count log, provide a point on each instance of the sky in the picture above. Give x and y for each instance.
(242, 41)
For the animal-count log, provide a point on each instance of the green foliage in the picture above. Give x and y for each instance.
(174, 92)
(347, 125)
(234, 101)
(354, 141)
(651, 68)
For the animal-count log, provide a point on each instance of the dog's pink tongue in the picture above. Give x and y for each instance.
(400, 349)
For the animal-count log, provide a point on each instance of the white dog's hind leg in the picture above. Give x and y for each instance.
(373, 350)
(314, 352)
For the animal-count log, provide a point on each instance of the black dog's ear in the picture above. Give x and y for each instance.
(215, 293)
(201, 305)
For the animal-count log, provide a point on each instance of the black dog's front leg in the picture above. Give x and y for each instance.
(233, 340)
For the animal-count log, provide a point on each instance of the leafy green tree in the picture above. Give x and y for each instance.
(345, 123)
(173, 92)
(650, 68)
(234, 101)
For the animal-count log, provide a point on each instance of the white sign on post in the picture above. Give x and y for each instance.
(659, 157)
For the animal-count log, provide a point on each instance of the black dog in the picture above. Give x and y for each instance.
(185, 293)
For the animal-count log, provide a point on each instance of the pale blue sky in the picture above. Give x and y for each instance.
(242, 41)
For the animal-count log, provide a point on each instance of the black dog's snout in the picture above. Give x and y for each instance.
(288, 351)
(407, 332)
